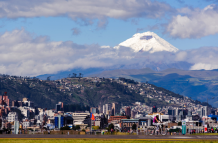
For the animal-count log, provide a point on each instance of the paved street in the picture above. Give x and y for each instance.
(214, 137)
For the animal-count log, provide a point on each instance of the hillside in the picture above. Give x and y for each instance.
(84, 91)
(198, 85)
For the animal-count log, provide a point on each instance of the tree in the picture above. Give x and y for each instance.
(65, 128)
(80, 75)
(134, 127)
(111, 126)
(95, 127)
(74, 75)
(48, 78)
(77, 127)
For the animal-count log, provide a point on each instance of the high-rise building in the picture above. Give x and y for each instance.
(115, 109)
(59, 121)
(133, 113)
(12, 116)
(204, 111)
(104, 109)
(15, 103)
(171, 111)
(128, 111)
(59, 106)
(20, 103)
(178, 111)
(16, 127)
(25, 99)
(100, 109)
(107, 108)
(30, 104)
(94, 110)
(4, 99)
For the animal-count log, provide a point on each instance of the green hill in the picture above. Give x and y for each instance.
(81, 91)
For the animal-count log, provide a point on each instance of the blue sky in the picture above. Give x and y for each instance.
(186, 24)
(59, 28)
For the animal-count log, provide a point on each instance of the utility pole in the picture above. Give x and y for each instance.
(91, 126)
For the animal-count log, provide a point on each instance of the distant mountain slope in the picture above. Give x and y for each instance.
(198, 85)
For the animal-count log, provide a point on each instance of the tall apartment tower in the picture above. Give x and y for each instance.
(204, 111)
(128, 111)
(115, 109)
(4, 99)
(107, 108)
(59, 106)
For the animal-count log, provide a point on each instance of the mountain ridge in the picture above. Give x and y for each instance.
(198, 85)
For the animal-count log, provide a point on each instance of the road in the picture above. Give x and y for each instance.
(139, 137)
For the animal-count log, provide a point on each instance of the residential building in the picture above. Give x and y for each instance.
(26, 124)
(59, 106)
(128, 111)
(94, 110)
(12, 116)
(112, 118)
(4, 100)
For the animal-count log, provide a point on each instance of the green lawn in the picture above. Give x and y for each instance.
(212, 134)
(99, 141)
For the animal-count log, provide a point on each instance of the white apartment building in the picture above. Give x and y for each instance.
(26, 124)
(12, 116)
(24, 111)
(107, 108)
(49, 113)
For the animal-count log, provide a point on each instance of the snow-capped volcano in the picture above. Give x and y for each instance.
(147, 41)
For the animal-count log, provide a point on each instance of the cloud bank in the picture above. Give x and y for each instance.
(84, 10)
(25, 55)
(202, 58)
(194, 23)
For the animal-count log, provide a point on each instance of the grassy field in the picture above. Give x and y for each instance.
(101, 141)
(211, 134)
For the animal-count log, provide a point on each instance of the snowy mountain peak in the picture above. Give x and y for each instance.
(147, 41)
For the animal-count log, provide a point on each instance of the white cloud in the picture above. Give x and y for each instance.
(203, 58)
(181, 56)
(23, 54)
(200, 66)
(194, 23)
(84, 9)
(105, 46)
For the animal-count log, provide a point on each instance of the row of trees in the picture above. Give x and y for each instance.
(74, 75)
